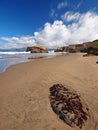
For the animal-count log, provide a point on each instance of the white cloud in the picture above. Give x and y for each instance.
(76, 7)
(62, 4)
(85, 29)
(53, 35)
(82, 28)
(18, 42)
(70, 16)
(53, 13)
(79, 4)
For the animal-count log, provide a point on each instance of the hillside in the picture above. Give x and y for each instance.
(95, 43)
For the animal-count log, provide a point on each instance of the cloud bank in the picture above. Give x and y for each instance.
(73, 28)
(18, 42)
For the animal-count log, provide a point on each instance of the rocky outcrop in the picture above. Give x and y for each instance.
(92, 51)
(86, 44)
(68, 105)
(36, 57)
(37, 49)
(71, 48)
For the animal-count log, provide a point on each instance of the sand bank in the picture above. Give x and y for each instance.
(24, 92)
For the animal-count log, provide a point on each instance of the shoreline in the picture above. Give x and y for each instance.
(29, 59)
(24, 91)
(10, 60)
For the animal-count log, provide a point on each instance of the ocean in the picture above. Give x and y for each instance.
(9, 58)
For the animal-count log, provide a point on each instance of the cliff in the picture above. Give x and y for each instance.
(88, 47)
(71, 48)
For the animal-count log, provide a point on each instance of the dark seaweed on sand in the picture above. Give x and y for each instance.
(68, 106)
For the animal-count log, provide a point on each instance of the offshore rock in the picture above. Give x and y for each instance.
(37, 49)
(68, 105)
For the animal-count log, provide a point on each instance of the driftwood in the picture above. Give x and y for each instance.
(68, 106)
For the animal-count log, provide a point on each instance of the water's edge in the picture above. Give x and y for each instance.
(7, 60)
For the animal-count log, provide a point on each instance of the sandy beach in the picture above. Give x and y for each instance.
(24, 92)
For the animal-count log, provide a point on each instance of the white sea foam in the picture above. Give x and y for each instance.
(15, 52)
(51, 51)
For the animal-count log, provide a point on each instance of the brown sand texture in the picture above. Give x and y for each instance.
(24, 92)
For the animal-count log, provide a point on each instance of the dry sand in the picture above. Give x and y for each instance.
(24, 92)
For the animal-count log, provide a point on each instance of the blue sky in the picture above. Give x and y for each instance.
(47, 22)
(22, 17)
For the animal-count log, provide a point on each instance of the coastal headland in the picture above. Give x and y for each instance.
(24, 92)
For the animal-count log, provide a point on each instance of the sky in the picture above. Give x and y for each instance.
(51, 23)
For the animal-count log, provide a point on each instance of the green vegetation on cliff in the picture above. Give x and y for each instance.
(95, 43)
